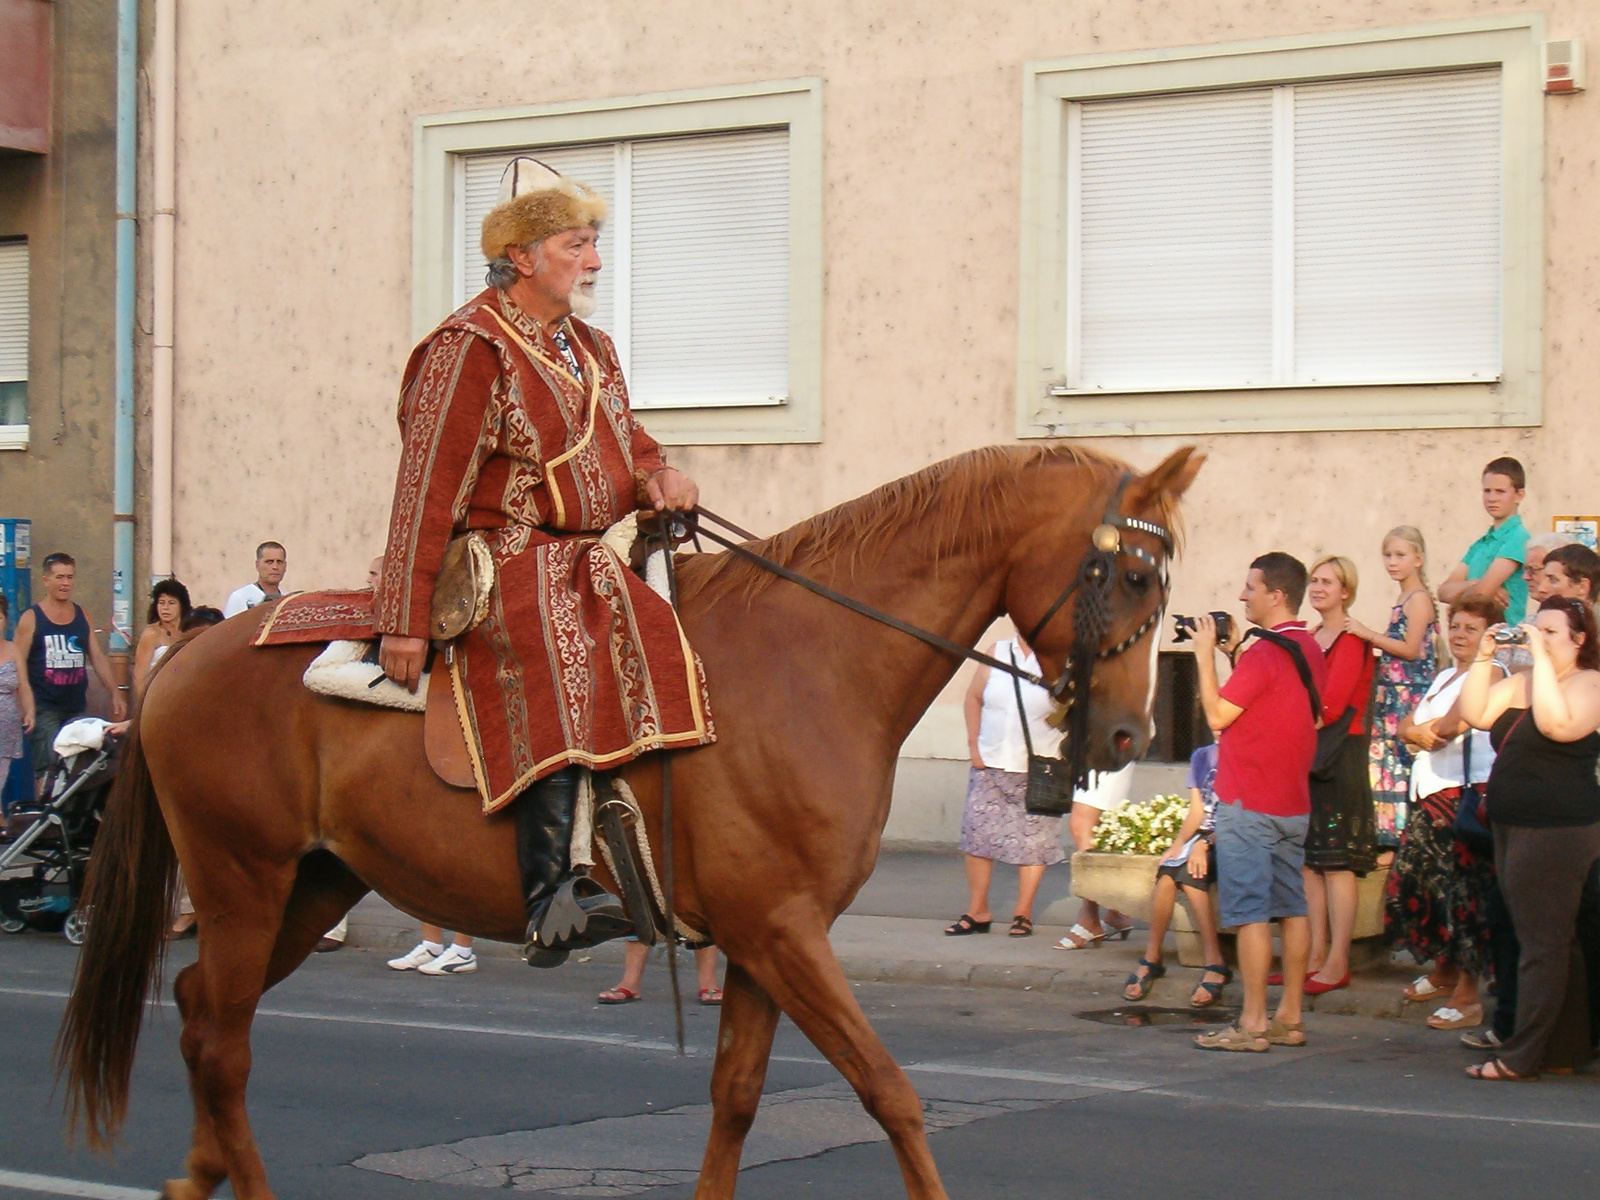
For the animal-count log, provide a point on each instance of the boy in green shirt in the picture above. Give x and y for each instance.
(1492, 565)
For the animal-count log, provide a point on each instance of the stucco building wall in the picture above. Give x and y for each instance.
(295, 165)
(64, 203)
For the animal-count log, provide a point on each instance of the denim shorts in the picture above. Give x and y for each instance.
(1259, 858)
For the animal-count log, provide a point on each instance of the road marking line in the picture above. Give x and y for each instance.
(54, 1186)
(1371, 1110)
(543, 1035)
(927, 1068)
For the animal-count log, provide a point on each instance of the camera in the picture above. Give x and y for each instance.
(1183, 627)
(1511, 635)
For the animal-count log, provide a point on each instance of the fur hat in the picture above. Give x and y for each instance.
(535, 202)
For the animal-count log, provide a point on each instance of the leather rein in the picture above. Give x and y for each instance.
(1094, 581)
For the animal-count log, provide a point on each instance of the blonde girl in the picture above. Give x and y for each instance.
(1406, 667)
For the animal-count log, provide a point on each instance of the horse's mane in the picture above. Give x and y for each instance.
(961, 502)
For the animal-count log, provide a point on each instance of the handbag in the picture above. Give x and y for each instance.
(1049, 789)
(1329, 739)
(1472, 808)
(462, 589)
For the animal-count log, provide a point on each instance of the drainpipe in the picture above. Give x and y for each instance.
(164, 102)
(127, 169)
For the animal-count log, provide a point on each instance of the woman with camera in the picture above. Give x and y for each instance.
(1544, 804)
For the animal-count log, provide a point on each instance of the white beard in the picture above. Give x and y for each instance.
(581, 300)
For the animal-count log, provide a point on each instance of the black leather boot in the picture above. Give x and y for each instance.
(565, 912)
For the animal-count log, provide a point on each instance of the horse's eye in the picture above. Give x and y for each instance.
(1138, 581)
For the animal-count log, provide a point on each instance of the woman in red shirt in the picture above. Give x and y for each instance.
(1341, 841)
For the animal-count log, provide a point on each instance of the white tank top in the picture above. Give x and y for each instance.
(1000, 743)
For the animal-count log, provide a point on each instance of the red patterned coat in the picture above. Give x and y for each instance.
(578, 661)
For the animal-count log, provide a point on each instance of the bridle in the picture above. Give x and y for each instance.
(1092, 615)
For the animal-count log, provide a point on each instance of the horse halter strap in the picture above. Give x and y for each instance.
(1092, 617)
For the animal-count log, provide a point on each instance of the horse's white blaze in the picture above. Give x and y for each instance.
(1155, 675)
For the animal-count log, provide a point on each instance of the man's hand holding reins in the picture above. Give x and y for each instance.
(402, 659)
(670, 489)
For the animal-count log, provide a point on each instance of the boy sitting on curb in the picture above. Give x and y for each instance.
(1187, 864)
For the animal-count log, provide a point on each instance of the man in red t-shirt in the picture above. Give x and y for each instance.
(1266, 724)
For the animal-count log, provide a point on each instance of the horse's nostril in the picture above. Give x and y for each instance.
(1123, 740)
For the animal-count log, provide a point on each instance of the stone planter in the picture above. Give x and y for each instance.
(1125, 881)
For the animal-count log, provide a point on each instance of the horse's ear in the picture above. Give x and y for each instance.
(1173, 476)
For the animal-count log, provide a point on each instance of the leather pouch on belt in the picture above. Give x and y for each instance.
(461, 592)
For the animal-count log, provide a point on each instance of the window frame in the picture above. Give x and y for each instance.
(795, 104)
(15, 437)
(1512, 44)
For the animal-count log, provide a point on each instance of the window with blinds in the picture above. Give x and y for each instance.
(695, 284)
(1338, 233)
(13, 333)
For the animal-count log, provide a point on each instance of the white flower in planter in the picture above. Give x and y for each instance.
(1147, 828)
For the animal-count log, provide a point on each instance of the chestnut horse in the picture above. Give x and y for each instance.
(284, 807)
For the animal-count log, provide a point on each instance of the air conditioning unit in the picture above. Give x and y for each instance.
(1563, 67)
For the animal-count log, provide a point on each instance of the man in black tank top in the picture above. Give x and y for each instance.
(56, 640)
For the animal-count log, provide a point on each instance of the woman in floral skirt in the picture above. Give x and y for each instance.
(1406, 669)
(1437, 894)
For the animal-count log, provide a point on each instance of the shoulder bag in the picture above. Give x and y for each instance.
(1329, 737)
(1472, 808)
(1049, 790)
(462, 589)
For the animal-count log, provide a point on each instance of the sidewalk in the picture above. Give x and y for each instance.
(893, 933)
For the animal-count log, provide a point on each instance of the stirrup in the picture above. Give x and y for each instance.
(580, 914)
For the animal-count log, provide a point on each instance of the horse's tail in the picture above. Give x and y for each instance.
(128, 898)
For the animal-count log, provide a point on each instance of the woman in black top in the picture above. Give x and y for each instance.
(1544, 805)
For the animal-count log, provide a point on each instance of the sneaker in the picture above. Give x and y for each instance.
(451, 962)
(420, 956)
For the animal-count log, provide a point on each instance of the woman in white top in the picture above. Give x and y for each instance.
(169, 608)
(1436, 892)
(995, 825)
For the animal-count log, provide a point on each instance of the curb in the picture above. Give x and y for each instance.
(1095, 976)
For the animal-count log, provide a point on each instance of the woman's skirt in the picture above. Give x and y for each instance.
(1342, 834)
(996, 825)
(1435, 896)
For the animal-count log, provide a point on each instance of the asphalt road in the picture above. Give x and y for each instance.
(369, 1083)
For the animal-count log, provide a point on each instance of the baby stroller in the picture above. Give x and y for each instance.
(45, 853)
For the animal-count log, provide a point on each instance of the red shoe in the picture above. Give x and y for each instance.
(1315, 986)
(1275, 979)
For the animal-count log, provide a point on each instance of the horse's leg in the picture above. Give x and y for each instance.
(324, 891)
(744, 1041)
(241, 913)
(796, 966)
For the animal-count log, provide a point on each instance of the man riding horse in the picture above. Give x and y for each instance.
(516, 426)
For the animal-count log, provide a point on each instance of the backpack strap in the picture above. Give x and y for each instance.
(1301, 666)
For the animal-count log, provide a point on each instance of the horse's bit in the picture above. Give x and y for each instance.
(1091, 613)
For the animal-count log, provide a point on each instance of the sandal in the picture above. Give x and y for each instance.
(1021, 926)
(1213, 990)
(1234, 1038)
(711, 997)
(1079, 938)
(1282, 1033)
(1450, 1017)
(965, 926)
(1421, 988)
(1142, 983)
(1495, 1071)
(1116, 933)
(619, 995)
(1488, 1040)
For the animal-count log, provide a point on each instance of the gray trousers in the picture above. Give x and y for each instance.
(47, 722)
(1542, 873)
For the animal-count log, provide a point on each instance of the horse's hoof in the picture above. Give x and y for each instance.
(536, 955)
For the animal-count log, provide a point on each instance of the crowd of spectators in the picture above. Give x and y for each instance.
(1458, 762)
